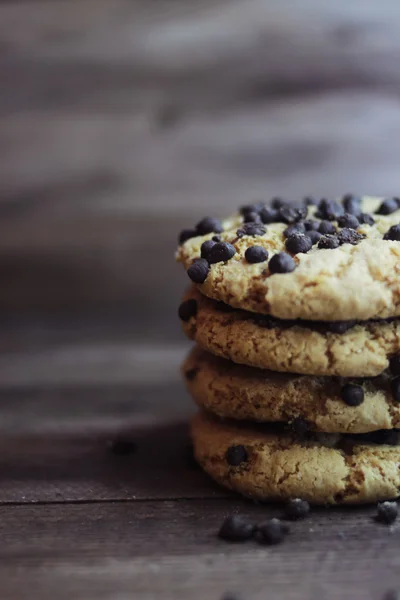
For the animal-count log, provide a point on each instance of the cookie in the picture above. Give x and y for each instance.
(236, 392)
(302, 347)
(351, 273)
(264, 465)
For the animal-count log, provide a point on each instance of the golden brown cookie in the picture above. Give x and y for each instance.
(236, 392)
(264, 465)
(361, 351)
(357, 280)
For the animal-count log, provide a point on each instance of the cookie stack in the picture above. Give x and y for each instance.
(295, 311)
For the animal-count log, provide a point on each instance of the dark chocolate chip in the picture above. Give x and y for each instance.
(329, 210)
(278, 203)
(253, 229)
(300, 427)
(393, 234)
(216, 238)
(209, 225)
(352, 394)
(339, 326)
(187, 309)
(326, 228)
(236, 529)
(348, 220)
(191, 374)
(328, 242)
(252, 217)
(186, 235)
(314, 236)
(269, 215)
(271, 532)
(310, 201)
(395, 387)
(236, 455)
(366, 219)
(298, 243)
(311, 225)
(295, 228)
(352, 204)
(394, 364)
(121, 446)
(281, 263)
(297, 509)
(206, 247)
(388, 207)
(289, 214)
(198, 271)
(387, 512)
(256, 254)
(349, 236)
(221, 252)
(251, 208)
(189, 458)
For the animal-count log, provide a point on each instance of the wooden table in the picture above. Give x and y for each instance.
(122, 121)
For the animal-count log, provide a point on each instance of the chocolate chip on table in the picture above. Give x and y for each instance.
(199, 270)
(329, 210)
(310, 201)
(186, 235)
(297, 509)
(295, 228)
(394, 364)
(281, 263)
(366, 219)
(187, 309)
(209, 225)
(348, 220)
(314, 236)
(352, 204)
(290, 214)
(349, 236)
(269, 215)
(310, 225)
(298, 243)
(271, 532)
(328, 242)
(395, 387)
(393, 234)
(352, 394)
(300, 427)
(326, 228)
(256, 254)
(121, 446)
(387, 512)
(253, 229)
(236, 455)
(221, 252)
(206, 247)
(236, 529)
(387, 207)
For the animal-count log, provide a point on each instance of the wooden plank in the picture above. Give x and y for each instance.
(170, 550)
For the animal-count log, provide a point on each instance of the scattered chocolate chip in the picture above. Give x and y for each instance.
(256, 254)
(298, 243)
(349, 236)
(236, 529)
(329, 210)
(221, 252)
(189, 458)
(352, 394)
(387, 512)
(297, 509)
(352, 204)
(253, 229)
(295, 228)
(395, 387)
(328, 242)
(314, 236)
(269, 215)
(198, 271)
(206, 247)
(326, 228)
(366, 219)
(289, 214)
(271, 532)
(187, 309)
(209, 225)
(393, 234)
(251, 208)
(216, 238)
(348, 220)
(388, 207)
(186, 235)
(300, 427)
(310, 201)
(311, 225)
(191, 374)
(278, 203)
(121, 446)
(394, 364)
(236, 455)
(339, 326)
(281, 263)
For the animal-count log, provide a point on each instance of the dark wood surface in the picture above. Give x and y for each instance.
(121, 122)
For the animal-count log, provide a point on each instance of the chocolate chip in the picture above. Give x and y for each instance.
(393, 234)
(121, 446)
(314, 236)
(191, 374)
(281, 263)
(216, 238)
(250, 208)
(198, 271)
(311, 225)
(271, 532)
(295, 228)
(366, 219)
(394, 364)
(221, 252)
(236, 455)
(348, 220)
(352, 394)
(187, 309)
(252, 217)
(206, 247)
(352, 204)
(236, 529)
(395, 387)
(329, 210)
(269, 215)
(253, 229)
(328, 242)
(298, 243)
(310, 201)
(387, 207)
(300, 427)
(387, 512)
(256, 254)
(277, 203)
(349, 236)
(209, 225)
(289, 214)
(326, 228)
(297, 509)
(186, 235)
(339, 326)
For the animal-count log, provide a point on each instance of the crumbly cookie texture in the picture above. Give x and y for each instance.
(359, 281)
(236, 392)
(279, 467)
(363, 351)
